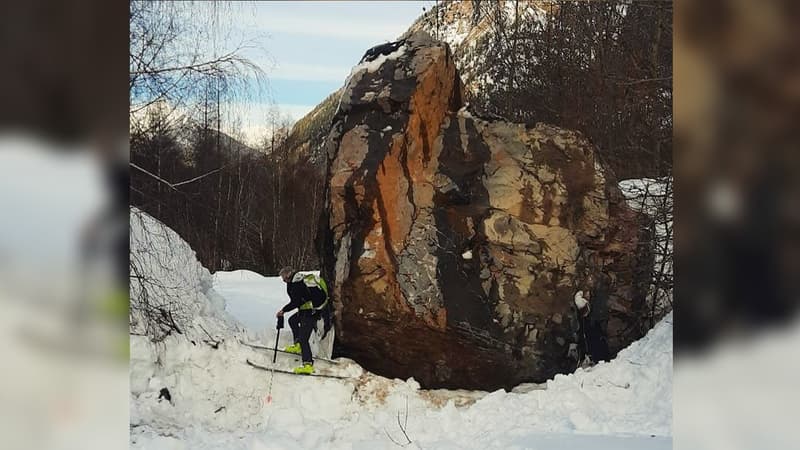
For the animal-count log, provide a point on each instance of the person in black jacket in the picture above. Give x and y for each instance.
(593, 317)
(307, 294)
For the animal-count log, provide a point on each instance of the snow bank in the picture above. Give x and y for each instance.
(203, 367)
(741, 393)
(645, 194)
(165, 272)
(218, 401)
(238, 276)
(618, 404)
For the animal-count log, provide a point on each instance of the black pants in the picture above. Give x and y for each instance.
(302, 324)
(596, 340)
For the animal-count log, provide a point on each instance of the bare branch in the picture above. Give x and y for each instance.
(174, 185)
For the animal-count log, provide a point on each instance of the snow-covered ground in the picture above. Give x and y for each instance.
(218, 401)
(741, 394)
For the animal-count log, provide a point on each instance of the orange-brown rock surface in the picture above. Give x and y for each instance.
(453, 244)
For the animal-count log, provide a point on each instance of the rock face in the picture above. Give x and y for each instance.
(454, 245)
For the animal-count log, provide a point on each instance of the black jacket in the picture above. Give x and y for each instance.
(299, 293)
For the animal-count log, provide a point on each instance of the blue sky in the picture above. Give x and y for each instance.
(308, 48)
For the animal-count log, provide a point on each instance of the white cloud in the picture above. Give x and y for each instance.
(309, 72)
(295, 111)
(345, 20)
(378, 31)
(254, 118)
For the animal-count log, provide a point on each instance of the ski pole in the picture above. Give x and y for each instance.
(274, 356)
(280, 325)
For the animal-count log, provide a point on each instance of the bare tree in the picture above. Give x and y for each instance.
(182, 68)
(654, 197)
(604, 68)
(168, 63)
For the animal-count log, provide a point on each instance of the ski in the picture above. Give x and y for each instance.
(324, 375)
(262, 347)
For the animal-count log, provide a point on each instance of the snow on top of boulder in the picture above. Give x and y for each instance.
(366, 66)
(375, 64)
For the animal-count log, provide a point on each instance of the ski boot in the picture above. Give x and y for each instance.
(294, 348)
(305, 369)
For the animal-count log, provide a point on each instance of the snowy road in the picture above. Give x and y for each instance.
(251, 298)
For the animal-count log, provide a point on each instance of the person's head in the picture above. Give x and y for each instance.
(286, 274)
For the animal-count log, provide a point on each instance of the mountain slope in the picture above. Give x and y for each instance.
(461, 24)
(593, 67)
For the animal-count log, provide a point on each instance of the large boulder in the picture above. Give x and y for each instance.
(454, 245)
